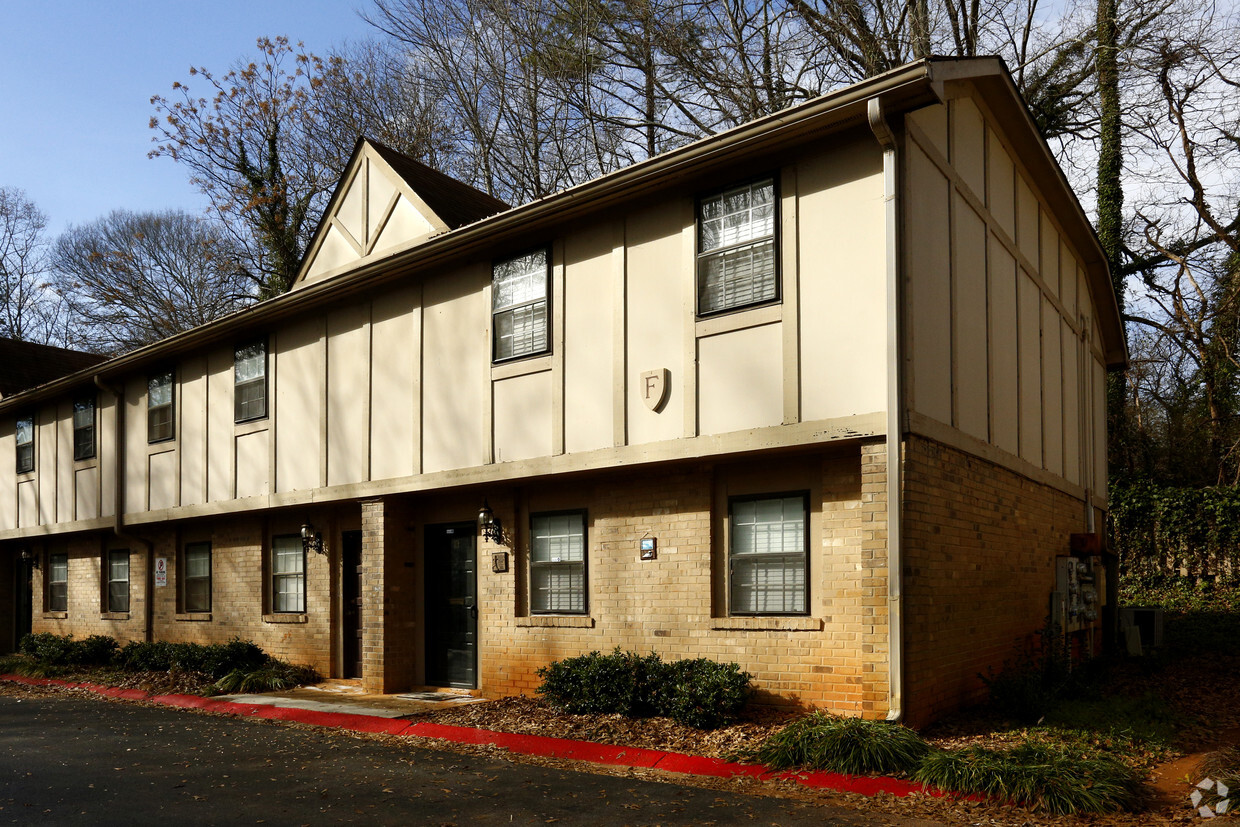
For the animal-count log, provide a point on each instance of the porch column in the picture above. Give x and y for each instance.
(388, 610)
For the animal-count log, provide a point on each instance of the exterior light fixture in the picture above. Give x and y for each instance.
(30, 557)
(492, 529)
(311, 540)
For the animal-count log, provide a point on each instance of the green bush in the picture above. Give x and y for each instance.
(820, 741)
(62, 650)
(1039, 775)
(1029, 687)
(597, 684)
(214, 660)
(273, 676)
(699, 693)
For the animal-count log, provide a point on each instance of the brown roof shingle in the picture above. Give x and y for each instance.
(25, 365)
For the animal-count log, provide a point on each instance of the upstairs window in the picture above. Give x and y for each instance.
(118, 581)
(84, 428)
(25, 444)
(769, 555)
(159, 407)
(558, 563)
(736, 248)
(250, 382)
(58, 582)
(519, 306)
(196, 582)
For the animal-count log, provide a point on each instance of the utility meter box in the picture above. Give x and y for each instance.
(1075, 602)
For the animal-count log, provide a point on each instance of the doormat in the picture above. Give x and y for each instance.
(438, 697)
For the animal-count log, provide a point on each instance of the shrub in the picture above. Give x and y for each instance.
(62, 650)
(597, 684)
(215, 660)
(1027, 688)
(821, 741)
(1039, 775)
(273, 676)
(701, 693)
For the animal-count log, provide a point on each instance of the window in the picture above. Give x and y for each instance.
(519, 306)
(250, 382)
(159, 407)
(558, 563)
(196, 578)
(84, 428)
(769, 556)
(25, 444)
(118, 581)
(288, 574)
(736, 248)
(58, 582)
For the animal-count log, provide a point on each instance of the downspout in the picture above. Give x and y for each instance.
(895, 402)
(118, 506)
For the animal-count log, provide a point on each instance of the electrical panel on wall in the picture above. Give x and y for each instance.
(1075, 603)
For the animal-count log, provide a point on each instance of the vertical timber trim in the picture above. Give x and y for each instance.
(789, 274)
(620, 370)
(559, 272)
(689, 381)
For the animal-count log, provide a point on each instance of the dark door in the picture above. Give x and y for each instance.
(23, 600)
(451, 606)
(351, 562)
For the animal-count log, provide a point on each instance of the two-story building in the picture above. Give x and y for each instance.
(822, 395)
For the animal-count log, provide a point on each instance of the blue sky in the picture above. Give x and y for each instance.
(76, 79)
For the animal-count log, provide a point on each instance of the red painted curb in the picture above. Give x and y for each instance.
(521, 744)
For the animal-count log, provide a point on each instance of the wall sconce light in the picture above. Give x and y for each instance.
(492, 529)
(311, 540)
(30, 557)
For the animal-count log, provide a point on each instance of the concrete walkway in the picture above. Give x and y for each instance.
(343, 706)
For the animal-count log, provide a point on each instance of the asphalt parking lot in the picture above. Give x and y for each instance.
(76, 760)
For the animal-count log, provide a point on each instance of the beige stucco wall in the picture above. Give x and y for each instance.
(1000, 336)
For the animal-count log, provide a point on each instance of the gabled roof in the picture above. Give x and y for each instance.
(387, 202)
(26, 365)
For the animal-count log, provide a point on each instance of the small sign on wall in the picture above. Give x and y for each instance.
(649, 546)
(654, 386)
(161, 572)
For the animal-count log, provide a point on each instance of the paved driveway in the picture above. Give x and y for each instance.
(78, 760)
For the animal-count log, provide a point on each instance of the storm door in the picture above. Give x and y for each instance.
(351, 629)
(451, 606)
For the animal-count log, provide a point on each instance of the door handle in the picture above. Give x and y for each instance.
(473, 610)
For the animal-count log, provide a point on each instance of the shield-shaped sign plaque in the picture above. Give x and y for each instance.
(654, 387)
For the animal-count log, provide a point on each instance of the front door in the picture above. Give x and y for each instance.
(451, 606)
(23, 600)
(351, 563)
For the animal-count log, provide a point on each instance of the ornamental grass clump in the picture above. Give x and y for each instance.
(821, 741)
(1042, 776)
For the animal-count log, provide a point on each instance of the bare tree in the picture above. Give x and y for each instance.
(130, 279)
(269, 141)
(30, 310)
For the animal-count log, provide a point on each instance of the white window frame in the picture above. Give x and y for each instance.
(84, 424)
(25, 447)
(161, 416)
(247, 408)
(558, 586)
(118, 564)
(58, 582)
(762, 551)
(521, 314)
(733, 242)
(288, 582)
(188, 580)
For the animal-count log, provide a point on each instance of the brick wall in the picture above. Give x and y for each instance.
(676, 605)
(239, 604)
(980, 544)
